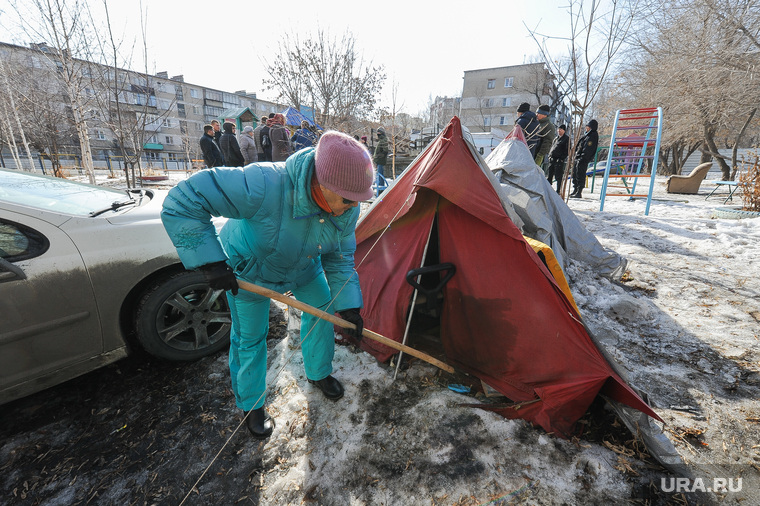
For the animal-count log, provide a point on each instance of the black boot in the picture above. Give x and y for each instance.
(577, 194)
(330, 387)
(259, 423)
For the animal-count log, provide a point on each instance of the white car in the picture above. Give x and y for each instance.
(84, 268)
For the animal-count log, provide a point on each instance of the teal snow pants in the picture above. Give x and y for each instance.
(248, 341)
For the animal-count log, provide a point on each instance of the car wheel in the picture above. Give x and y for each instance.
(180, 318)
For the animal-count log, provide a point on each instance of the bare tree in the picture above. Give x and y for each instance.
(12, 109)
(42, 111)
(63, 26)
(698, 58)
(540, 82)
(326, 74)
(131, 121)
(597, 33)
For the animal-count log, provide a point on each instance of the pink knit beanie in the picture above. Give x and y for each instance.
(343, 165)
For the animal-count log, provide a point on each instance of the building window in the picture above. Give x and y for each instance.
(100, 135)
(506, 102)
(502, 120)
(168, 122)
(193, 93)
(214, 95)
(196, 109)
(214, 112)
(172, 156)
(169, 139)
(508, 82)
(491, 84)
(181, 110)
(487, 121)
(178, 93)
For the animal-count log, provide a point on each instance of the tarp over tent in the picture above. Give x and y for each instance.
(545, 215)
(293, 117)
(504, 319)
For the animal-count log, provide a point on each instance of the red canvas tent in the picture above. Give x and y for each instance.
(504, 319)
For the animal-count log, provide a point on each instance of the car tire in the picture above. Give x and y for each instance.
(180, 318)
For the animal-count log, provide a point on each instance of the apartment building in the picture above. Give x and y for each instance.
(169, 112)
(490, 97)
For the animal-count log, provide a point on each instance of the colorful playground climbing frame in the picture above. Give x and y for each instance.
(635, 139)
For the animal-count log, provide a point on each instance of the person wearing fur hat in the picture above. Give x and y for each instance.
(584, 154)
(291, 227)
(546, 134)
(528, 121)
(558, 156)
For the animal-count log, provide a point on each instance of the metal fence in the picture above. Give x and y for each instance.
(114, 164)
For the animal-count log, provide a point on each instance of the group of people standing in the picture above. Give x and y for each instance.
(270, 141)
(554, 148)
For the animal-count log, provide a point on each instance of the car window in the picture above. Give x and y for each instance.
(19, 242)
(56, 194)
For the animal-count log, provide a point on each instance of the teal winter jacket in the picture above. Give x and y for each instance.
(276, 235)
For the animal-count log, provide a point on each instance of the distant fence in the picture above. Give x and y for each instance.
(113, 164)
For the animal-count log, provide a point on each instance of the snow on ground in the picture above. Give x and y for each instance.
(683, 325)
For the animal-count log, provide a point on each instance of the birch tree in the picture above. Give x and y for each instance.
(62, 30)
(11, 109)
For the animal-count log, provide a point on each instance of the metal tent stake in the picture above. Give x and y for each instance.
(414, 301)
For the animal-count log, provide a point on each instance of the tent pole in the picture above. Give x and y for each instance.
(414, 301)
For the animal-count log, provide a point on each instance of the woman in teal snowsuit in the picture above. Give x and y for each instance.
(291, 227)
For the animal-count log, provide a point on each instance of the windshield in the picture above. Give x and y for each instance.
(56, 194)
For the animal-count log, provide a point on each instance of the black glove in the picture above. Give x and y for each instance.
(353, 316)
(219, 276)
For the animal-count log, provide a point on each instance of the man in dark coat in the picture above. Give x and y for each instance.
(233, 157)
(584, 154)
(212, 155)
(529, 123)
(266, 141)
(217, 130)
(558, 156)
(380, 156)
